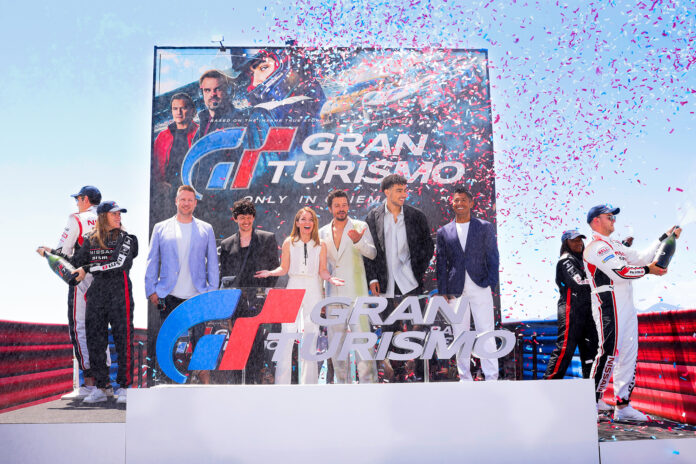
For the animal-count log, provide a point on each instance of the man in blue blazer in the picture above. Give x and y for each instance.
(182, 261)
(467, 266)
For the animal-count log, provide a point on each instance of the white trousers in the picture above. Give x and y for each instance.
(367, 369)
(618, 342)
(481, 308)
(309, 370)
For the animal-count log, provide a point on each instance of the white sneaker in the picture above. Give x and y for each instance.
(121, 394)
(603, 407)
(79, 393)
(97, 395)
(630, 414)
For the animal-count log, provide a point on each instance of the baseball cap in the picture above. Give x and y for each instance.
(571, 234)
(110, 207)
(601, 209)
(90, 192)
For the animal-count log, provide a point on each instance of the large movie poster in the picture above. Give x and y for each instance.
(284, 126)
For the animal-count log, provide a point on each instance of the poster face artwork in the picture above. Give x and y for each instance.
(282, 127)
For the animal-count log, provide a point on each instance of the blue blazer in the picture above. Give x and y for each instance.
(479, 258)
(163, 259)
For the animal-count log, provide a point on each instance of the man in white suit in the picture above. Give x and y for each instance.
(347, 241)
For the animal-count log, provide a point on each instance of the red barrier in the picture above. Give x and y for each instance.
(21, 333)
(666, 370)
(665, 349)
(679, 322)
(36, 363)
(23, 388)
(21, 366)
(667, 377)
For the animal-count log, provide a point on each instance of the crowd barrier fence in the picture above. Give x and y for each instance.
(36, 363)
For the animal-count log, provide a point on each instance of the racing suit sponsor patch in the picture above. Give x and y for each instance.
(603, 250)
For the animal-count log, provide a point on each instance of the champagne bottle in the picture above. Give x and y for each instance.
(666, 250)
(61, 267)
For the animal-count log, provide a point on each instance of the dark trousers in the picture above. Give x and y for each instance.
(170, 304)
(398, 326)
(576, 329)
(110, 303)
(401, 370)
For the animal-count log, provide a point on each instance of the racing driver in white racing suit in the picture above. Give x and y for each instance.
(611, 267)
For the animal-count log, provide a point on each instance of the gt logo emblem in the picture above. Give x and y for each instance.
(281, 306)
(278, 139)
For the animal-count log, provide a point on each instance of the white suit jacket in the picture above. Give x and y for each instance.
(346, 262)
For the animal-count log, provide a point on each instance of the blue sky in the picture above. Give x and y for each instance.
(592, 101)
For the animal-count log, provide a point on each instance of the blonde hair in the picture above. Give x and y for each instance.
(295, 234)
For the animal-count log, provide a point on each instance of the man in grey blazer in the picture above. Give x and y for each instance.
(182, 261)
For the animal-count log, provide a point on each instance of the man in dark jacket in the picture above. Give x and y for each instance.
(402, 238)
(467, 267)
(241, 256)
(404, 248)
(248, 251)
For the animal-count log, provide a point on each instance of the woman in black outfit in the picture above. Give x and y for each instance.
(107, 253)
(576, 328)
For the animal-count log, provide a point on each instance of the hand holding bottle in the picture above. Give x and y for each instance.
(61, 266)
(666, 249)
(42, 249)
(80, 274)
(655, 269)
(677, 231)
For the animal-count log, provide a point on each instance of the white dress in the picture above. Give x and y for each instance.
(304, 274)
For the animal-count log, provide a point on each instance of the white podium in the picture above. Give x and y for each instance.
(382, 423)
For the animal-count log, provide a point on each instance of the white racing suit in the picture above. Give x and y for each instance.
(78, 225)
(610, 267)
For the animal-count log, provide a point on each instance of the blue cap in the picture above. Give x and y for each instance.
(90, 192)
(600, 209)
(571, 234)
(110, 207)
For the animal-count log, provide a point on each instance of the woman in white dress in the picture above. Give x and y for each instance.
(303, 258)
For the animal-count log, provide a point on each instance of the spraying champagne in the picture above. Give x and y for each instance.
(666, 249)
(61, 267)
